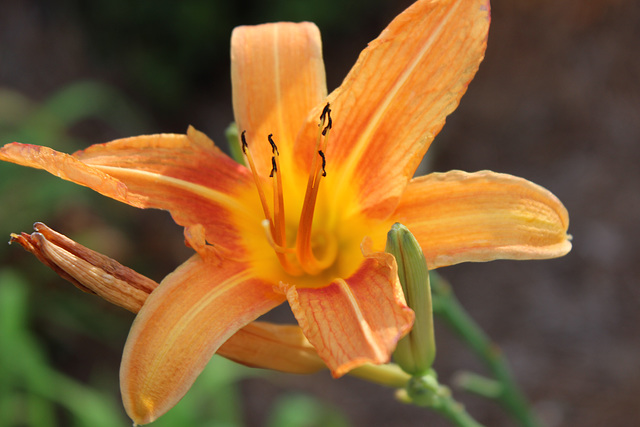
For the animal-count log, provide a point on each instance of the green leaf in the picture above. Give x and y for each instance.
(296, 410)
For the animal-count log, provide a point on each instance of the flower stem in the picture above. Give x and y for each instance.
(427, 392)
(447, 307)
(424, 391)
(455, 413)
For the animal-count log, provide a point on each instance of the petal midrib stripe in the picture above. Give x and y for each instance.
(215, 196)
(179, 330)
(369, 336)
(361, 144)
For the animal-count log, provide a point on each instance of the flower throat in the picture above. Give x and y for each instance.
(300, 259)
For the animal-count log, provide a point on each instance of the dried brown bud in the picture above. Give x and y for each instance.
(86, 269)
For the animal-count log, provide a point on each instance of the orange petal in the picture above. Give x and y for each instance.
(181, 325)
(259, 344)
(279, 347)
(66, 167)
(277, 76)
(184, 174)
(458, 217)
(397, 96)
(354, 321)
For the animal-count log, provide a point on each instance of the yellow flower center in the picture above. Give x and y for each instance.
(311, 240)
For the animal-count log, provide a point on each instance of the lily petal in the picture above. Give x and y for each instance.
(483, 216)
(277, 77)
(396, 97)
(279, 347)
(184, 174)
(354, 321)
(66, 167)
(181, 325)
(259, 344)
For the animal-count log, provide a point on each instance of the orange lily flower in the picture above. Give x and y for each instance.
(306, 221)
(259, 344)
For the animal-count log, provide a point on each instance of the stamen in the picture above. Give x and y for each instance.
(326, 113)
(308, 261)
(324, 162)
(324, 131)
(274, 147)
(256, 178)
(274, 168)
(277, 236)
(276, 247)
(281, 251)
(326, 110)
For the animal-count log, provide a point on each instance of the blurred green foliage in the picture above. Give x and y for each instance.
(172, 49)
(295, 410)
(33, 393)
(30, 389)
(48, 124)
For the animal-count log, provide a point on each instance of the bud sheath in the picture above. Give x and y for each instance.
(416, 351)
(88, 270)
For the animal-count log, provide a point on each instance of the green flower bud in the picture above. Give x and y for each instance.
(233, 139)
(416, 351)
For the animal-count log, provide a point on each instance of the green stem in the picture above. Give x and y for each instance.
(482, 386)
(422, 391)
(446, 305)
(455, 412)
(426, 391)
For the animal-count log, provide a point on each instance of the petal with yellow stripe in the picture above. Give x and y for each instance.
(181, 325)
(483, 216)
(357, 320)
(277, 75)
(184, 174)
(396, 97)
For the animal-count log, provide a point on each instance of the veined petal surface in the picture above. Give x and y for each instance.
(396, 98)
(483, 216)
(270, 346)
(181, 325)
(67, 167)
(184, 174)
(277, 76)
(357, 320)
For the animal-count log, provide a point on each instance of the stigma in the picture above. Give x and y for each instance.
(298, 258)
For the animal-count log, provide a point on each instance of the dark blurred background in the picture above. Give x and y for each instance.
(556, 101)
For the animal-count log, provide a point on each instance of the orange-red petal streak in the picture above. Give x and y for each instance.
(483, 216)
(181, 325)
(397, 96)
(356, 320)
(184, 174)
